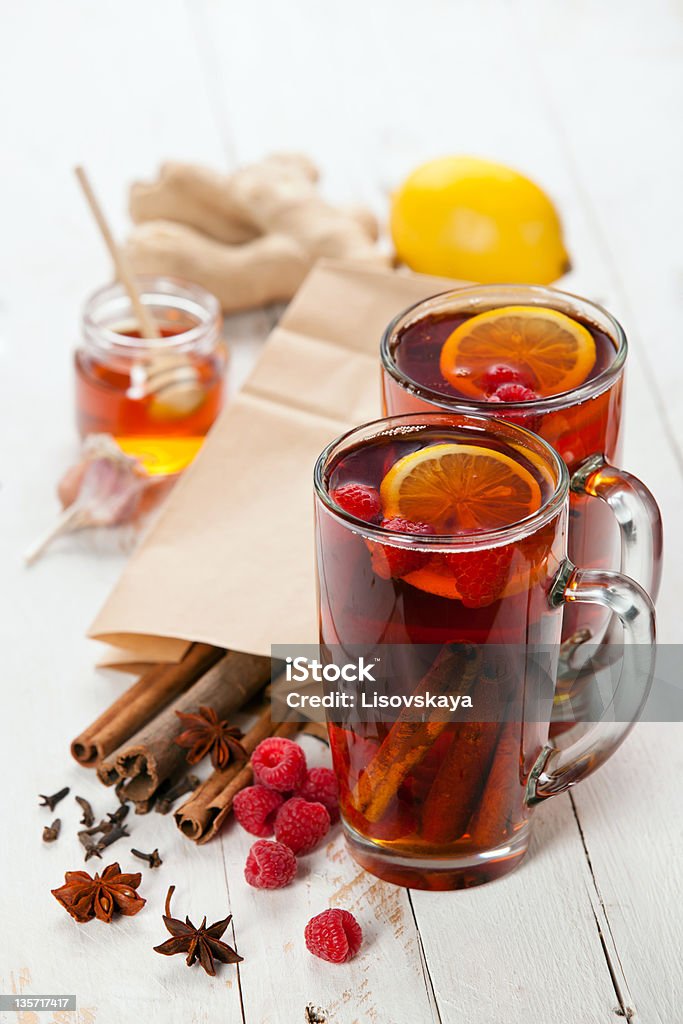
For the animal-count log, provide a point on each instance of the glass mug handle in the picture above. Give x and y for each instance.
(636, 512)
(556, 770)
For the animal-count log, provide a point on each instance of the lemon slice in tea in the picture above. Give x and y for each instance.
(459, 488)
(554, 352)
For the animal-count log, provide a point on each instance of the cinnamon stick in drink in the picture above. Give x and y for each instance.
(453, 795)
(140, 703)
(407, 742)
(501, 799)
(150, 756)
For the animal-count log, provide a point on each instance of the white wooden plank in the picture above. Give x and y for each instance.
(523, 948)
(631, 818)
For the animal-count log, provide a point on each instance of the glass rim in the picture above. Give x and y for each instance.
(165, 289)
(486, 425)
(589, 389)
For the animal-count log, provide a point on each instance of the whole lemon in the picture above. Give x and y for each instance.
(460, 216)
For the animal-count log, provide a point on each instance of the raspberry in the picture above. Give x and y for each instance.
(301, 825)
(481, 575)
(279, 763)
(334, 935)
(269, 865)
(320, 786)
(516, 393)
(512, 393)
(498, 375)
(388, 561)
(359, 501)
(255, 808)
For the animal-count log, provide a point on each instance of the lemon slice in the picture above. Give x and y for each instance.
(556, 352)
(458, 488)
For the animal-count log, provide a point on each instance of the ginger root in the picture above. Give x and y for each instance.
(251, 237)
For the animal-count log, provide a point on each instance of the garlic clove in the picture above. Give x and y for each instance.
(103, 489)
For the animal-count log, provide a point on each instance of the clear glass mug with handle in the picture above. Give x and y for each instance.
(614, 519)
(441, 550)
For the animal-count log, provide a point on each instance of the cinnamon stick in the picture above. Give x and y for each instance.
(407, 742)
(502, 796)
(193, 816)
(201, 817)
(244, 778)
(140, 703)
(150, 756)
(453, 795)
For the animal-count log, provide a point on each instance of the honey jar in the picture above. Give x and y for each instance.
(157, 396)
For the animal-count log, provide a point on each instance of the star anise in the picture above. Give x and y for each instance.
(206, 733)
(85, 897)
(201, 943)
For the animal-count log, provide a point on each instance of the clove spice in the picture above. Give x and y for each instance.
(111, 833)
(51, 832)
(102, 826)
(52, 801)
(117, 816)
(108, 824)
(88, 818)
(153, 858)
(165, 801)
(91, 847)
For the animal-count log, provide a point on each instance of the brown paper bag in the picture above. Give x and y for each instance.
(231, 559)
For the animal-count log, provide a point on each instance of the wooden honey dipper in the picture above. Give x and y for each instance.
(169, 377)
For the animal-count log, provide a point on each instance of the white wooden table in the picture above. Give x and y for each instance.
(584, 96)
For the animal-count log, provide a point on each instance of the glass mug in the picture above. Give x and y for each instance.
(446, 805)
(614, 519)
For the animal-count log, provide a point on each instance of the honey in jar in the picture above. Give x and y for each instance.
(157, 396)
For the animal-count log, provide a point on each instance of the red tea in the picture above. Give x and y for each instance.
(577, 428)
(417, 351)
(419, 557)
